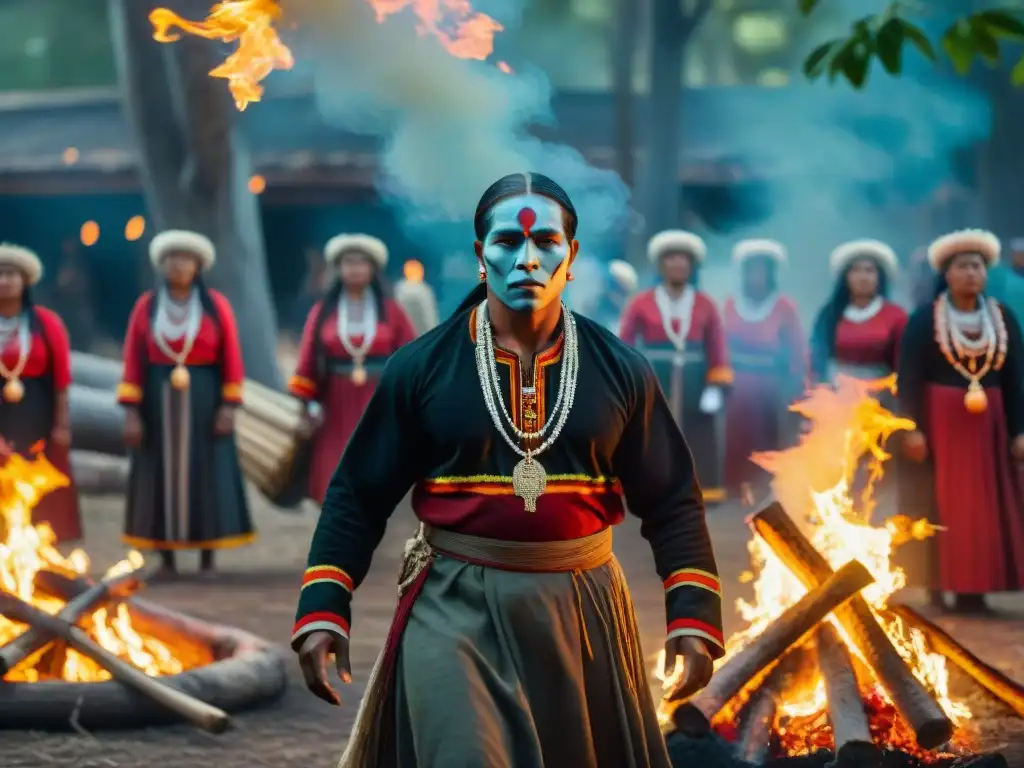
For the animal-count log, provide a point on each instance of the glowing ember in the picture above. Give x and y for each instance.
(843, 450)
(462, 32)
(250, 23)
(28, 549)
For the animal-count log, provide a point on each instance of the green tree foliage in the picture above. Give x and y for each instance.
(888, 36)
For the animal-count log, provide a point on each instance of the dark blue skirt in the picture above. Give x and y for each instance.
(185, 488)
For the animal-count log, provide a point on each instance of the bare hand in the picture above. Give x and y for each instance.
(224, 421)
(61, 435)
(313, 657)
(698, 666)
(132, 428)
(5, 451)
(915, 447)
(1017, 447)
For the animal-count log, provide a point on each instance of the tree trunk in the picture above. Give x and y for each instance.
(624, 46)
(194, 163)
(671, 30)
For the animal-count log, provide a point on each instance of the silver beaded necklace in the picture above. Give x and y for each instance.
(529, 480)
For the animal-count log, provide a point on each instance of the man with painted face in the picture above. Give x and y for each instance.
(678, 328)
(523, 429)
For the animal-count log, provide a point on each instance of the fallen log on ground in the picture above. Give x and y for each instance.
(1007, 690)
(851, 731)
(97, 421)
(912, 700)
(97, 474)
(694, 717)
(95, 371)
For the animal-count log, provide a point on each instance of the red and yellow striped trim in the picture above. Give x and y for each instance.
(721, 374)
(129, 393)
(231, 392)
(327, 574)
(696, 628)
(320, 621)
(302, 387)
(693, 577)
(499, 485)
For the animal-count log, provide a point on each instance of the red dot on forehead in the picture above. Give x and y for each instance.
(527, 218)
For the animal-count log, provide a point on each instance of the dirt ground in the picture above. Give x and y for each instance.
(258, 592)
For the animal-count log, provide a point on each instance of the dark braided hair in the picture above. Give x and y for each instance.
(823, 337)
(205, 299)
(514, 185)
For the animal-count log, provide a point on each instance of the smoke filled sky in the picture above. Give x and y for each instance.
(831, 164)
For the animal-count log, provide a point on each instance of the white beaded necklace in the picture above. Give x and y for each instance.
(529, 480)
(357, 352)
(684, 311)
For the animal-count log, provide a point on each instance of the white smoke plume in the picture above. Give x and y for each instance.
(450, 127)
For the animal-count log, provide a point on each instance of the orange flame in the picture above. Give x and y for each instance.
(815, 480)
(462, 32)
(27, 549)
(250, 23)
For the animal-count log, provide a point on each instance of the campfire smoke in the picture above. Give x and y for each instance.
(27, 553)
(887, 683)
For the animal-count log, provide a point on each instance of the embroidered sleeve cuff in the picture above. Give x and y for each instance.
(302, 387)
(693, 603)
(721, 375)
(318, 621)
(709, 633)
(128, 393)
(324, 602)
(231, 393)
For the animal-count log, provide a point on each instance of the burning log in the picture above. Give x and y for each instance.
(988, 677)
(694, 717)
(912, 700)
(851, 731)
(97, 420)
(36, 639)
(200, 713)
(757, 720)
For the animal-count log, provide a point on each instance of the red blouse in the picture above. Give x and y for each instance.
(876, 341)
(216, 343)
(642, 323)
(765, 342)
(50, 351)
(392, 332)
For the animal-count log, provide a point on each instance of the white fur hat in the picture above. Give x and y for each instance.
(676, 240)
(981, 241)
(746, 249)
(22, 259)
(847, 253)
(624, 275)
(373, 247)
(174, 240)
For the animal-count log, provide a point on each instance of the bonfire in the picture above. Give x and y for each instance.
(27, 551)
(827, 484)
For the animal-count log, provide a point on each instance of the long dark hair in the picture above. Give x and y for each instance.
(513, 185)
(823, 337)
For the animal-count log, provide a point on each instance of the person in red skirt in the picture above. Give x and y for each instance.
(35, 363)
(678, 328)
(769, 356)
(858, 330)
(347, 338)
(961, 379)
(182, 382)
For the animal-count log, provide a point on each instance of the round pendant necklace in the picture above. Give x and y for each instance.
(529, 480)
(166, 323)
(993, 342)
(357, 352)
(13, 390)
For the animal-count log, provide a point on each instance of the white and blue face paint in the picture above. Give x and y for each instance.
(527, 252)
